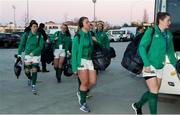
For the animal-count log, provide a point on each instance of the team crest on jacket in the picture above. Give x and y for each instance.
(156, 35)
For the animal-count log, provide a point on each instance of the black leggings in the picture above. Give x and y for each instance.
(149, 77)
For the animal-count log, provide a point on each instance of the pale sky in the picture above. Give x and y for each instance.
(116, 12)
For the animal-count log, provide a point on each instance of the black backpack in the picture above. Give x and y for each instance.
(100, 57)
(17, 66)
(131, 60)
(67, 67)
(112, 52)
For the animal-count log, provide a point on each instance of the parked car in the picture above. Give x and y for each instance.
(8, 40)
(128, 33)
(18, 33)
(125, 36)
(114, 35)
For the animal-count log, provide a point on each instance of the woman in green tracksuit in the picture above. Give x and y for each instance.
(101, 36)
(154, 60)
(61, 43)
(82, 65)
(32, 43)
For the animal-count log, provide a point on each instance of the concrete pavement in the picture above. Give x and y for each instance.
(116, 89)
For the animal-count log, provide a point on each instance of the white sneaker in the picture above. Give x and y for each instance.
(34, 90)
(85, 108)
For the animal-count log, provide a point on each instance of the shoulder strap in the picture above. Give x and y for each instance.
(152, 35)
(58, 33)
(39, 37)
(26, 37)
(78, 35)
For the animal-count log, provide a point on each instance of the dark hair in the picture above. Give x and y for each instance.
(27, 29)
(101, 25)
(41, 25)
(80, 23)
(139, 28)
(67, 30)
(33, 22)
(161, 16)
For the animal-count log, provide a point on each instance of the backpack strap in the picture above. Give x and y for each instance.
(152, 35)
(26, 37)
(58, 33)
(78, 35)
(39, 37)
(153, 31)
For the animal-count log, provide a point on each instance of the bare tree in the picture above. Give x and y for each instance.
(65, 17)
(145, 16)
(125, 25)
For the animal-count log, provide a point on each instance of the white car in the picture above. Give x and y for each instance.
(125, 35)
(114, 35)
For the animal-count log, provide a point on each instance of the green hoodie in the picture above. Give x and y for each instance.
(102, 39)
(159, 48)
(81, 48)
(63, 40)
(31, 45)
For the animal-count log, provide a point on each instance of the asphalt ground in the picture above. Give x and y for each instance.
(114, 93)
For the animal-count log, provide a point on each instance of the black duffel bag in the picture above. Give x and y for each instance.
(100, 58)
(47, 54)
(112, 52)
(17, 66)
(67, 68)
(131, 60)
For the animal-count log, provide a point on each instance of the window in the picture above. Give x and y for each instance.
(118, 32)
(173, 7)
(53, 27)
(108, 33)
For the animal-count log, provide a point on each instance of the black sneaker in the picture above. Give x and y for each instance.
(85, 108)
(138, 111)
(38, 69)
(58, 79)
(45, 70)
